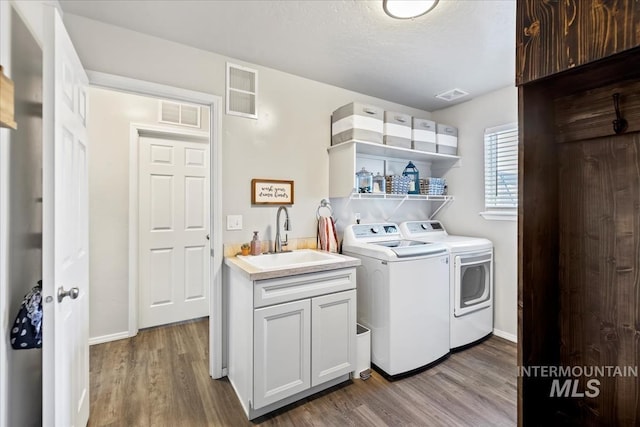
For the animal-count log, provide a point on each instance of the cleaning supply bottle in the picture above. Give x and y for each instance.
(256, 244)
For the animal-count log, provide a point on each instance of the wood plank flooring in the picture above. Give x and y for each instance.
(160, 378)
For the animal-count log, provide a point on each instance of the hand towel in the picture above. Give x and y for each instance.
(327, 235)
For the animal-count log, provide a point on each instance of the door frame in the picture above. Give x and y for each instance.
(137, 131)
(214, 102)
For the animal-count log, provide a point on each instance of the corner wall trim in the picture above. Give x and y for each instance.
(505, 335)
(108, 338)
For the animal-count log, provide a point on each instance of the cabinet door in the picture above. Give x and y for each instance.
(281, 351)
(333, 336)
(554, 36)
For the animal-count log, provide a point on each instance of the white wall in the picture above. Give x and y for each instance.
(467, 184)
(287, 141)
(20, 217)
(5, 60)
(110, 116)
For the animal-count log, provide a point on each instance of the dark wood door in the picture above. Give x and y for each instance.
(599, 240)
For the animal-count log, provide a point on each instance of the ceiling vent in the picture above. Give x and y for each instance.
(179, 114)
(242, 91)
(452, 95)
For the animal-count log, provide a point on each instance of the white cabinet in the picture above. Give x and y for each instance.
(333, 332)
(281, 350)
(289, 337)
(347, 158)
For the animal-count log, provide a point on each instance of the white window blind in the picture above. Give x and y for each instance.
(501, 168)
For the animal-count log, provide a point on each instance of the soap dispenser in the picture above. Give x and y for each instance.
(256, 244)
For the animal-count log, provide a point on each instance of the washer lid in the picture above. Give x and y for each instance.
(410, 248)
(384, 241)
(394, 250)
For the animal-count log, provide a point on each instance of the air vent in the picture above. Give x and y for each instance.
(179, 114)
(242, 91)
(452, 95)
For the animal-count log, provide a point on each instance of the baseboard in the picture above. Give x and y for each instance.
(505, 335)
(107, 338)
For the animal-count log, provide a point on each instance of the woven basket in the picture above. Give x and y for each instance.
(397, 184)
(433, 186)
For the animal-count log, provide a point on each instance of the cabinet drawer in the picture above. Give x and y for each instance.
(275, 291)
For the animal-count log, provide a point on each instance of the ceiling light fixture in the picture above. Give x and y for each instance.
(407, 9)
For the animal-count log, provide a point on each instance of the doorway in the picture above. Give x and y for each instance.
(115, 307)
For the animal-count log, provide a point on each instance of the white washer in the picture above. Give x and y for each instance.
(471, 279)
(403, 297)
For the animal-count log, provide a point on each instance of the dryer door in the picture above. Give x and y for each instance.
(473, 282)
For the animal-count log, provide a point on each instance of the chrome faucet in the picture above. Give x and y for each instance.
(287, 227)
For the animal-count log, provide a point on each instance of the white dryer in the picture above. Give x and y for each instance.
(471, 277)
(403, 297)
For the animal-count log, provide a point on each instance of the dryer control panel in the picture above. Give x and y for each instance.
(420, 227)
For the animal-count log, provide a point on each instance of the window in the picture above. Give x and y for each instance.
(501, 172)
(179, 114)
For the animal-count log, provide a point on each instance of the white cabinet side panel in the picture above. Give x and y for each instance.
(240, 346)
(342, 165)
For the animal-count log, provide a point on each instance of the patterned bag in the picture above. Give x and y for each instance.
(27, 330)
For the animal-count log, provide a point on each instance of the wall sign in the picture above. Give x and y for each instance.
(271, 192)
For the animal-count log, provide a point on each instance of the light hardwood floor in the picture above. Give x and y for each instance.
(160, 378)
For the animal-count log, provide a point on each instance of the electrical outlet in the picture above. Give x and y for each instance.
(234, 222)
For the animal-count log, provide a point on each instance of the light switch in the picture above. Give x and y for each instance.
(234, 222)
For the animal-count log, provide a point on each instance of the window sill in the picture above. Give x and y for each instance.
(500, 215)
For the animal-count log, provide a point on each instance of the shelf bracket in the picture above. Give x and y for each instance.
(444, 203)
(404, 199)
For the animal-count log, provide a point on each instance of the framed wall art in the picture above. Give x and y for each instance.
(271, 192)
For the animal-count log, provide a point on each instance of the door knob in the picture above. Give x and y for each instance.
(207, 237)
(72, 293)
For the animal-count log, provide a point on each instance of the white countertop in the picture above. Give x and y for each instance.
(253, 273)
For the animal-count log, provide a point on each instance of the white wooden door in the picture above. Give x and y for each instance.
(333, 336)
(281, 351)
(173, 212)
(65, 243)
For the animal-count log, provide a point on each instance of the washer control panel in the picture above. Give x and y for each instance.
(364, 231)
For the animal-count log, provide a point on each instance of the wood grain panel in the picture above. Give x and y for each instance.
(590, 114)
(537, 31)
(572, 55)
(600, 271)
(538, 339)
(160, 378)
(555, 35)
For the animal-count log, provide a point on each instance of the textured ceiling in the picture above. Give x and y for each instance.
(465, 44)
